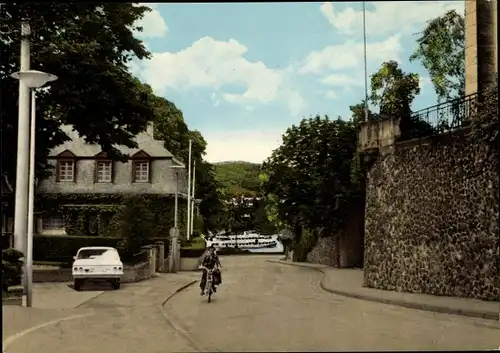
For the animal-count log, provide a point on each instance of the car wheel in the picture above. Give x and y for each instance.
(78, 284)
(116, 283)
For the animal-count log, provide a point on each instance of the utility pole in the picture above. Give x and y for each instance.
(365, 62)
(188, 224)
(193, 199)
(23, 147)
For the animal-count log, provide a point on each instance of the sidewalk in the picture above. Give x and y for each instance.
(349, 283)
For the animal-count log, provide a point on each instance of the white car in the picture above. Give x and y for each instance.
(97, 263)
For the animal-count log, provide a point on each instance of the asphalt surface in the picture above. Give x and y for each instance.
(260, 306)
(264, 306)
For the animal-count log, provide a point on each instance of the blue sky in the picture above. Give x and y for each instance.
(244, 72)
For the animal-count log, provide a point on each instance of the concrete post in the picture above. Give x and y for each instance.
(160, 256)
(151, 259)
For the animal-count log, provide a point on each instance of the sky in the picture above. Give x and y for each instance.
(242, 73)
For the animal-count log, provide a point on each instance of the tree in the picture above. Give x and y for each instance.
(309, 174)
(441, 49)
(88, 46)
(393, 91)
(239, 178)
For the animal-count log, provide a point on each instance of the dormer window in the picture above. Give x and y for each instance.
(141, 167)
(66, 167)
(103, 168)
(141, 171)
(66, 170)
(104, 171)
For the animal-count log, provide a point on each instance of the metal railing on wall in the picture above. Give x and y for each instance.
(447, 116)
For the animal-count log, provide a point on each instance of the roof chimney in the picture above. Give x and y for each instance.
(151, 130)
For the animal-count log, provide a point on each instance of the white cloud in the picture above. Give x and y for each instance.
(215, 99)
(153, 24)
(248, 145)
(209, 63)
(331, 94)
(424, 81)
(387, 16)
(351, 54)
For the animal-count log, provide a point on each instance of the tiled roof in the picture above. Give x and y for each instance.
(77, 145)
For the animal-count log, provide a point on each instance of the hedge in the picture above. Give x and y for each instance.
(59, 248)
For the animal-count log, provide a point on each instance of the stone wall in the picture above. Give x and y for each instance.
(349, 243)
(431, 223)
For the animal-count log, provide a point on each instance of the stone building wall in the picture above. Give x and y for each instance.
(431, 223)
(349, 243)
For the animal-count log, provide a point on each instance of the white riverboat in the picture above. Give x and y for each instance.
(247, 240)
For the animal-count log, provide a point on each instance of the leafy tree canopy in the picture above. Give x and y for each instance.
(88, 46)
(238, 178)
(441, 49)
(309, 175)
(393, 91)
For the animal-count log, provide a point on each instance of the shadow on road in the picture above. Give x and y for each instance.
(90, 286)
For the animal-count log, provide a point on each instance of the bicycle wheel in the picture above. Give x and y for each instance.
(209, 290)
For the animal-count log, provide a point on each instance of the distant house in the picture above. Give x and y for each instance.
(84, 177)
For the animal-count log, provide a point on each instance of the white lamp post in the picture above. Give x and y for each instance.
(175, 233)
(188, 223)
(33, 79)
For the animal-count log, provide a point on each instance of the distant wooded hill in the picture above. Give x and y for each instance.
(238, 178)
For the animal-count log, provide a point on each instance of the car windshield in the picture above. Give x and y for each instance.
(93, 253)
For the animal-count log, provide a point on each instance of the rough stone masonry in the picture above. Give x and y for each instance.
(431, 221)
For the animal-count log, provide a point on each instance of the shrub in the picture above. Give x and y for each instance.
(12, 268)
(136, 226)
(188, 252)
(305, 245)
(57, 248)
(63, 248)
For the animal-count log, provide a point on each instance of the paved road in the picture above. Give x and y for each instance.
(263, 306)
(126, 321)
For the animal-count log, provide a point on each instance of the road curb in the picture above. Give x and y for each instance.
(174, 324)
(411, 305)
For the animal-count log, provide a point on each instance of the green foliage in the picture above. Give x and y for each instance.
(393, 91)
(61, 249)
(307, 242)
(441, 49)
(309, 175)
(190, 253)
(136, 220)
(12, 268)
(89, 47)
(78, 209)
(238, 178)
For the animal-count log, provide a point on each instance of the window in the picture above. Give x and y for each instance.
(66, 171)
(141, 172)
(52, 223)
(104, 172)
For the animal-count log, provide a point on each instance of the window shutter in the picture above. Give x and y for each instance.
(113, 166)
(96, 165)
(75, 170)
(58, 168)
(150, 170)
(133, 171)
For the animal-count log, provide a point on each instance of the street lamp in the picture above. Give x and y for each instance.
(33, 79)
(174, 233)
